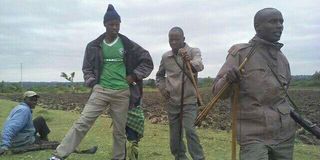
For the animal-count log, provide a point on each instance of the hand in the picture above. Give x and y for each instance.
(89, 82)
(130, 79)
(184, 54)
(4, 151)
(233, 75)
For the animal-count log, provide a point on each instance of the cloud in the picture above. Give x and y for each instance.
(49, 38)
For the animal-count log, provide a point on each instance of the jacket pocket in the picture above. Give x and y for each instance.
(287, 128)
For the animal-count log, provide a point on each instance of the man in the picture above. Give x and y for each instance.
(265, 128)
(114, 66)
(174, 83)
(20, 133)
(134, 131)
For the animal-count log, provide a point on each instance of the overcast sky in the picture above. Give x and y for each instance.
(49, 37)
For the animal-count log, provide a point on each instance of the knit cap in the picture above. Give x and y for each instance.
(111, 14)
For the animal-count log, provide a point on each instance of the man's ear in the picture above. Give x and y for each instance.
(257, 27)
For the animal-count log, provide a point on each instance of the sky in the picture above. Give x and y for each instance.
(41, 39)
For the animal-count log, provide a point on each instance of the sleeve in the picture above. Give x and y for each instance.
(145, 65)
(289, 77)
(14, 125)
(88, 67)
(220, 80)
(160, 77)
(196, 61)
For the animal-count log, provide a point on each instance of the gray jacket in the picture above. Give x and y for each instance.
(169, 76)
(137, 60)
(264, 114)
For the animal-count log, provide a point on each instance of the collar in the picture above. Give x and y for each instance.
(186, 46)
(97, 42)
(26, 105)
(258, 40)
(112, 43)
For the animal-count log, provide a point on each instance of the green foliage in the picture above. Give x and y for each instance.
(316, 76)
(10, 87)
(205, 82)
(154, 145)
(43, 87)
(70, 79)
(150, 83)
(305, 84)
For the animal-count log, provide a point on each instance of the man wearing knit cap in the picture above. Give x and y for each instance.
(114, 67)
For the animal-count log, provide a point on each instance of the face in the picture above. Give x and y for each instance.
(176, 40)
(270, 29)
(32, 101)
(112, 28)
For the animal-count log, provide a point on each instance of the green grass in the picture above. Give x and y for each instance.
(154, 146)
(305, 84)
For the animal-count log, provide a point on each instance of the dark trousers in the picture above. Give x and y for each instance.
(41, 136)
(42, 129)
(131, 134)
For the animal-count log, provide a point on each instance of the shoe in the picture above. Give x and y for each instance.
(92, 150)
(55, 158)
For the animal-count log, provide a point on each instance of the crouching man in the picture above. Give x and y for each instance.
(20, 133)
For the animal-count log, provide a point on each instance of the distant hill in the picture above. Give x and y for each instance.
(202, 81)
(302, 77)
(47, 84)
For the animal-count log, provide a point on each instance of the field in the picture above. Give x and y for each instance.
(308, 101)
(154, 145)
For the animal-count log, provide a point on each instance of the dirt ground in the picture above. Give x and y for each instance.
(155, 108)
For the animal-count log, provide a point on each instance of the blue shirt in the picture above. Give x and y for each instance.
(18, 129)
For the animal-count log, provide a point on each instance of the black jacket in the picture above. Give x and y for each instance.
(137, 60)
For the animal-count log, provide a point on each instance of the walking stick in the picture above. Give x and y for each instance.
(181, 108)
(194, 83)
(234, 123)
(202, 115)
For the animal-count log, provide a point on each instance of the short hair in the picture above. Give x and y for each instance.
(260, 17)
(178, 29)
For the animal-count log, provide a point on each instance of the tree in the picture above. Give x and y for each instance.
(152, 83)
(2, 85)
(70, 79)
(316, 76)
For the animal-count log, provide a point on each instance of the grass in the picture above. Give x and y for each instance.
(154, 145)
(305, 84)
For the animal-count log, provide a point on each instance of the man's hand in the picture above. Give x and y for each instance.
(89, 82)
(131, 80)
(4, 151)
(233, 75)
(183, 53)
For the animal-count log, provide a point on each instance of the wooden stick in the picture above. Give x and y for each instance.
(194, 83)
(234, 123)
(202, 115)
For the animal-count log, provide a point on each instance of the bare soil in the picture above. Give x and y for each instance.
(155, 108)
